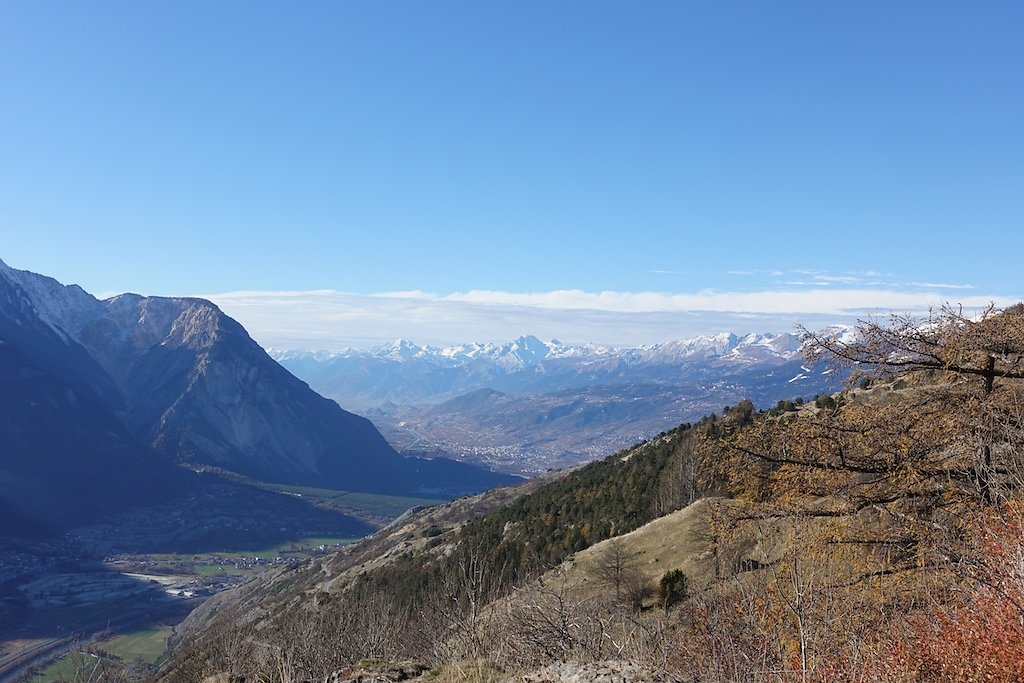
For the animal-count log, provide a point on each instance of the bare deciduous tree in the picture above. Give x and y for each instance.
(616, 566)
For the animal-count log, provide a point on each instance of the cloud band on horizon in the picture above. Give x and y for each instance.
(328, 319)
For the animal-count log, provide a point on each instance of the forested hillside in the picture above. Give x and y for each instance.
(441, 564)
(873, 535)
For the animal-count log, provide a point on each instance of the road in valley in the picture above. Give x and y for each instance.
(120, 617)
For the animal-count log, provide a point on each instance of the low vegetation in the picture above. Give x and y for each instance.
(872, 535)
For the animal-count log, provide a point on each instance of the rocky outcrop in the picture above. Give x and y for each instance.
(373, 671)
(597, 672)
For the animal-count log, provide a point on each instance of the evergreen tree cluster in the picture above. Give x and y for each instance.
(538, 531)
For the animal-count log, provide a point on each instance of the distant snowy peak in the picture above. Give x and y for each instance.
(763, 346)
(703, 347)
(524, 352)
(403, 349)
(529, 352)
(845, 334)
(725, 347)
(284, 355)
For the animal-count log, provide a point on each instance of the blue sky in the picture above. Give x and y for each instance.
(522, 156)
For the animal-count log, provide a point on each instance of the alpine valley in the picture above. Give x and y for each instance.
(176, 382)
(152, 454)
(166, 480)
(528, 406)
(143, 440)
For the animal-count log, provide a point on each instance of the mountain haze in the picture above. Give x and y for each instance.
(405, 373)
(527, 405)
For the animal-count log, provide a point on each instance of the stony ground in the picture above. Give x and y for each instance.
(596, 672)
(563, 672)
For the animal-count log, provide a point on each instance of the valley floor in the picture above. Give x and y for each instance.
(146, 570)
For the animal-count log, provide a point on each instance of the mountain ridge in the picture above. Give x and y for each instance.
(556, 404)
(188, 382)
(530, 350)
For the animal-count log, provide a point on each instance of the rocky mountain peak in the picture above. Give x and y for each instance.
(188, 381)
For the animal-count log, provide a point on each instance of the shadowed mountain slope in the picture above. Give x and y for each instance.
(178, 377)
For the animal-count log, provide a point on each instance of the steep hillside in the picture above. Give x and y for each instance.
(870, 535)
(189, 382)
(64, 459)
(509, 535)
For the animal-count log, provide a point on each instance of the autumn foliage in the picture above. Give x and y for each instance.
(871, 536)
(978, 635)
(888, 521)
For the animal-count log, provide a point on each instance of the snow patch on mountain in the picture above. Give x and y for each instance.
(528, 352)
(62, 307)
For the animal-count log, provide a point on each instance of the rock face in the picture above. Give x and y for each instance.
(199, 389)
(187, 381)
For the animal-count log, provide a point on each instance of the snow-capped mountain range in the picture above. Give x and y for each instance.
(528, 351)
(527, 405)
(403, 372)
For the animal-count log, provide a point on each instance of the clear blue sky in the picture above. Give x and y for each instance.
(208, 147)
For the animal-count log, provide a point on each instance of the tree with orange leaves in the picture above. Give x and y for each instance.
(899, 479)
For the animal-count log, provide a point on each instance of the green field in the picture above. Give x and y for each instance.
(376, 503)
(215, 569)
(74, 666)
(300, 547)
(148, 645)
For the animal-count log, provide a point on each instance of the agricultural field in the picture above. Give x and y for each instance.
(138, 648)
(146, 569)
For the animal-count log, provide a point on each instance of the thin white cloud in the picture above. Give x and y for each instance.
(837, 301)
(817, 276)
(866, 279)
(334, 320)
(935, 285)
(408, 294)
(843, 279)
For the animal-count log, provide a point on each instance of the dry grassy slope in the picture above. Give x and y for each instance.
(680, 540)
(684, 540)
